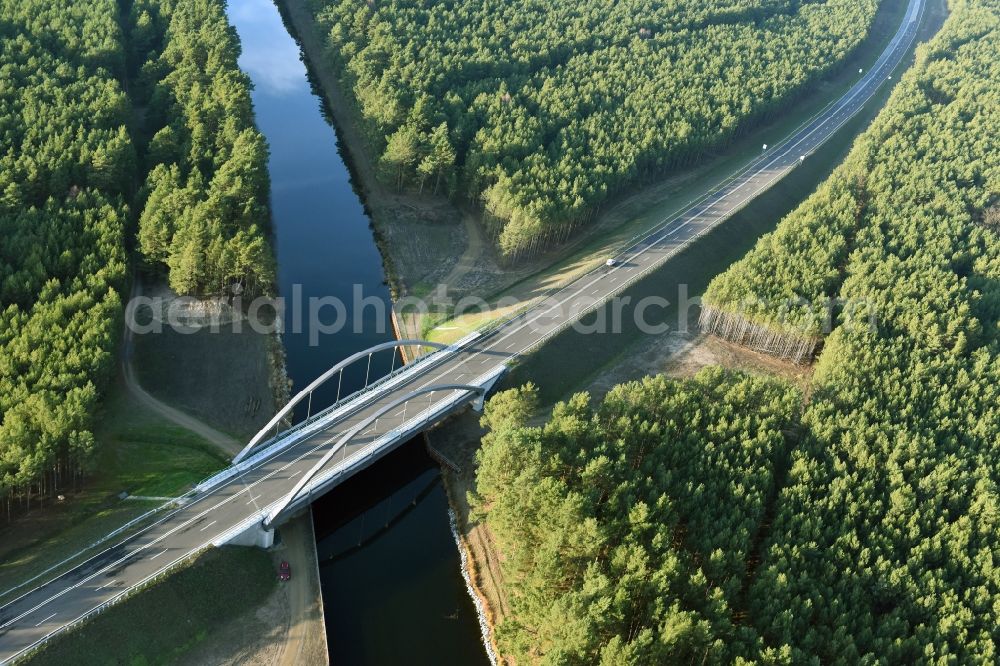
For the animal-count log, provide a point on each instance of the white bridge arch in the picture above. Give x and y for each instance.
(337, 369)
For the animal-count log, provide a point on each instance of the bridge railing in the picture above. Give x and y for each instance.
(361, 457)
(287, 411)
(121, 596)
(378, 383)
(915, 13)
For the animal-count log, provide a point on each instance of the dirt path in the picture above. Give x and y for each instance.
(287, 629)
(470, 257)
(305, 642)
(225, 442)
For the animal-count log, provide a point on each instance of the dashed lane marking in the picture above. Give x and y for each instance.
(47, 619)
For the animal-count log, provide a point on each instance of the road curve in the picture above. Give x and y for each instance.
(207, 516)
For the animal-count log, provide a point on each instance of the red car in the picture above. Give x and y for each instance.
(284, 571)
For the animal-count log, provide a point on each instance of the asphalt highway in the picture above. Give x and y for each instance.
(206, 517)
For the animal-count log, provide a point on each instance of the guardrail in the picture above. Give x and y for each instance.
(367, 454)
(283, 440)
(80, 553)
(417, 423)
(121, 596)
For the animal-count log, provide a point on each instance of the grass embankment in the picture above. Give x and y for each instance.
(139, 453)
(169, 618)
(418, 234)
(690, 270)
(225, 378)
(697, 264)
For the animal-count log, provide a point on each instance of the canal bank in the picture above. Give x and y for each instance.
(421, 237)
(408, 223)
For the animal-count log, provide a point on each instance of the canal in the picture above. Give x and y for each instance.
(392, 585)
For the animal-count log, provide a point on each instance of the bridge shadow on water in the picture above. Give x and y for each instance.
(387, 559)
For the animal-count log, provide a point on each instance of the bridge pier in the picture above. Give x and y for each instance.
(254, 535)
(480, 401)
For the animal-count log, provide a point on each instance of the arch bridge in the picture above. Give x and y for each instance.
(336, 442)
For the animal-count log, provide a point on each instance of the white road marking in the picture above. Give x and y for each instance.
(47, 619)
(207, 526)
(109, 583)
(292, 476)
(159, 553)
(226, 499)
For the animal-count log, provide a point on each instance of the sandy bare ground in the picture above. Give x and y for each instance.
(305, 641)
(225, 442)
(427, 240)
(472, 255)
(458, 440)
(684, 354)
